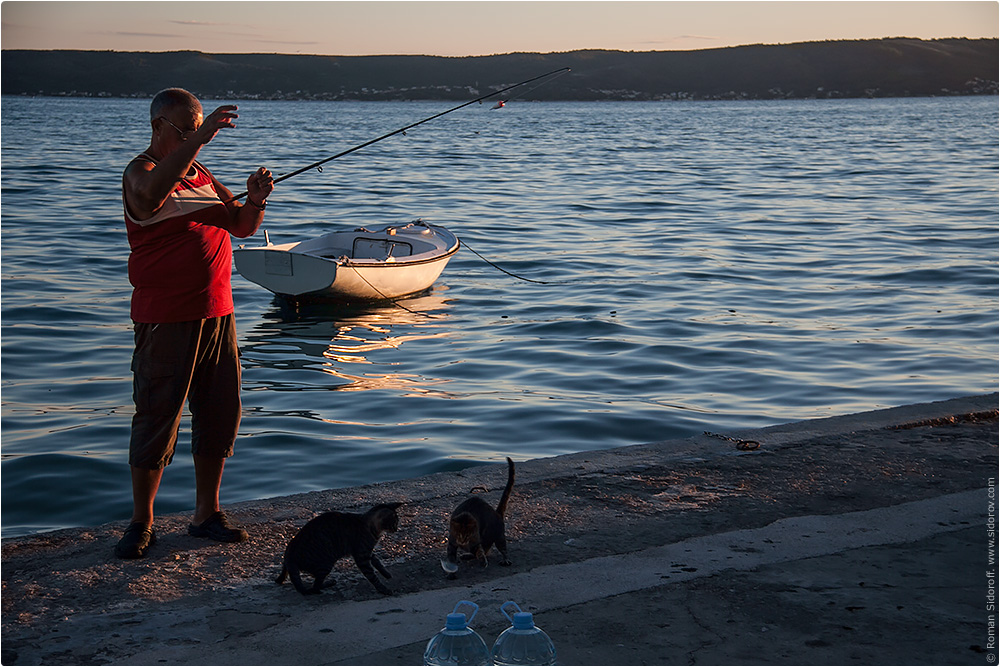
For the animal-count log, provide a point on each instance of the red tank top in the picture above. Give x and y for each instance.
(181, 261)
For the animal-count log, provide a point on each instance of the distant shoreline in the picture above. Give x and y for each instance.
(845, 69)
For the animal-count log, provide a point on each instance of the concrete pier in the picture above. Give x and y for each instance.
(861, 539)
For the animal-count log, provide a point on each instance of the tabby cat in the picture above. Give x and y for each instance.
(475, 527)
(327, 538)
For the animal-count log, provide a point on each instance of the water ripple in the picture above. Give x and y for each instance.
(709, 266)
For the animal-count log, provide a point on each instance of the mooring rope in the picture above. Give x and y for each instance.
(499, 268)
(395, 302)
(344, 261)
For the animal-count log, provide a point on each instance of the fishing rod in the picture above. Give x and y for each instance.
(401, 130)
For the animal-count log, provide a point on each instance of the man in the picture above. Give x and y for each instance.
(179, 218)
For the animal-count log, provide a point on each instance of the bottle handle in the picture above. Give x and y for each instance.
(475, 609)
(504, 610)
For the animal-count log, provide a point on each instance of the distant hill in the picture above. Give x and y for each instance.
(896, 67)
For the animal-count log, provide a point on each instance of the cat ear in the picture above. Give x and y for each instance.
(395, 506)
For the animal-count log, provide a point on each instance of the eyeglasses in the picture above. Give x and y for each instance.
(184, 133)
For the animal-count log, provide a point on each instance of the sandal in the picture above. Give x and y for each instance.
(216, 527)
(136, 541)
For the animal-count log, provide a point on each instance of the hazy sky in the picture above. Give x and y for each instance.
(459, 28)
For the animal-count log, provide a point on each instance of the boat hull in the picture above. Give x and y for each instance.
(351, 266)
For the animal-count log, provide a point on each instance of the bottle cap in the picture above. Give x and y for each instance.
(523, 621)
(455, 622)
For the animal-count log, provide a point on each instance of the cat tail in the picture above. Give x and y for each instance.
(502, 505)
(281, 577)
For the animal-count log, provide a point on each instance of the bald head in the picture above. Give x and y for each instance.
(170, 99)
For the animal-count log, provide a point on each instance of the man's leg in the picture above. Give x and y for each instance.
(209, 520)
(161, 366)
(208, 481)
(215, 420)
(140, 535)
(145, 484)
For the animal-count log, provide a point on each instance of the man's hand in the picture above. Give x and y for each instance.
(222, 117)
(259, 186)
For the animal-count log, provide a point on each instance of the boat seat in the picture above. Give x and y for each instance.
(380, 249)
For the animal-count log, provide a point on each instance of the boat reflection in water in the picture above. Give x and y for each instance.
(324, 347)
(337, 396)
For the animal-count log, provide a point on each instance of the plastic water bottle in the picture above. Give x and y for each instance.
(523, 643)
(457, 643)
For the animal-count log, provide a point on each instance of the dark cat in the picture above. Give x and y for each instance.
(327, 538)
(475, 527)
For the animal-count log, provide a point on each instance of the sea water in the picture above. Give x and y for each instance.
(700, 266)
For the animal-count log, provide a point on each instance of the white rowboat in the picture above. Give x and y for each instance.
(347, 266)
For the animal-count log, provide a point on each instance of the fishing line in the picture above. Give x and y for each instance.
(402, 130)
(522, 94)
